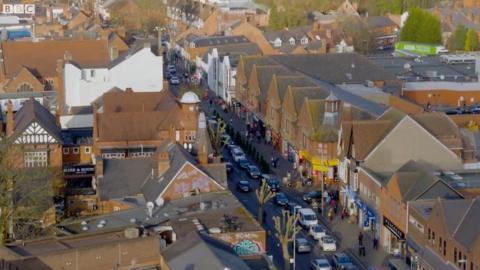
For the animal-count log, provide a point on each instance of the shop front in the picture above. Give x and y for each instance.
(393, 238)
(317, 167)
(367, 217)
(347, 200)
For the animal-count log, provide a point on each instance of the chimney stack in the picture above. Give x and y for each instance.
(9, 118)
(162, 163)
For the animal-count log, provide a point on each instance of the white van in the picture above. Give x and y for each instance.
(307, 217)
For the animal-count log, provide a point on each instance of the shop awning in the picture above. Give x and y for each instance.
(319, 164)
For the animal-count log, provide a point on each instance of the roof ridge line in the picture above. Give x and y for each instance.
(463, 217)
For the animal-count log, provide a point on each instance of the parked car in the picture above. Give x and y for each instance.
(454, 111)
(317, 231)
(341, 261)
(312, 195)
(185, 75)
(237, 154)
(320, 264)
(174, 80)
(327, 243)
(302, 245)
(225, 139)
(281, 199)
(229, 167)
(232, 146)
(307, 217)
(168, 76)
(244, 186)
(273, 184)
(293, 205)
(243, 163)
(253, 171)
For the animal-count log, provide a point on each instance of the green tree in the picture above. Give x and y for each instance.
(25, 196)
(264, 194)
(421, 27)
(275, 22)
(358, 31)
(285, 227)
(471, 41)
(457, 40)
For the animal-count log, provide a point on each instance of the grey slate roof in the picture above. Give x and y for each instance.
(379, 21)
(200, 251)
(264, 76)
(285, 34)
(349, 67)
(301, 93)
(291, 80)
(123, 177)
(234, 51)
(154, 186)
(219, 40)
(33, 111)
(467, 231)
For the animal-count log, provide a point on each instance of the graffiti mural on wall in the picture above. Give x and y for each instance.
(246, 247)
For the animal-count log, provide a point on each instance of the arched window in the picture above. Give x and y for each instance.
(25, 87)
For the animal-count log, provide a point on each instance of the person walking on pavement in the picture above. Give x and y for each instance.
(330, 215)
(360, 238)
(375, 243)
(361, 250)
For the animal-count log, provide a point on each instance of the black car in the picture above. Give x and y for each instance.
(311, 196)
(273, 184)
(228, 167)
(244, 186)
(253, 171)
(243, 163)
(281, 199)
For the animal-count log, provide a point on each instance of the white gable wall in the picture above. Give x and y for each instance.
(142, 71)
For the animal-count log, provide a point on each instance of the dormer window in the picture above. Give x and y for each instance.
(292, 41)
(304, 41)
(277, 43)
(192, 45)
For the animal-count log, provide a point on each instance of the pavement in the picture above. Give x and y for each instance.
(344, 232)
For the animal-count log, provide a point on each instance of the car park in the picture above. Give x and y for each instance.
(244, 186)
(311, 196)
(307, 217)
(243, 163)
(174, 80)
(341, 261)
(302, 245)
(321, 263)
(317, 231)
(327, 243)
(281, 199)
(253, 171)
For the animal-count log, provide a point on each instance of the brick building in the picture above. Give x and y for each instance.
(444, 234)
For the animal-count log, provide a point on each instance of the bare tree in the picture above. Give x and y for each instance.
(215, 134)
(26, 195)
(264, 194)
(285, 228)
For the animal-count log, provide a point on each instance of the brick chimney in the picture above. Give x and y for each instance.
(58, 86)
(9, 118)
(162, 163)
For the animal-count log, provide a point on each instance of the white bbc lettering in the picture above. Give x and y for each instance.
(18, 9)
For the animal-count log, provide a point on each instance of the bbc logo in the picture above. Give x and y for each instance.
(19, 9)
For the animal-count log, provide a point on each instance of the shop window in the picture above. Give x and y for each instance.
(76, 150)
(88, 150)
(66, 150)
